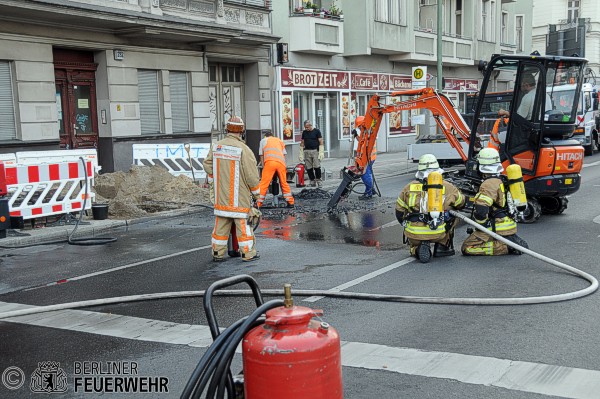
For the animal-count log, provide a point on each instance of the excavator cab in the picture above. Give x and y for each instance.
(540, 126)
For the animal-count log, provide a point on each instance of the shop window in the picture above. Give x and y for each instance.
(149, 101)
(180, 101)
(8, 130)
(301, 109)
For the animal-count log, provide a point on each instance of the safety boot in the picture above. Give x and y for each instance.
(255, 257)
(289, 205)
(440, 250)
(424, 252)
(517, 240)
(319, 183)
(313, 183)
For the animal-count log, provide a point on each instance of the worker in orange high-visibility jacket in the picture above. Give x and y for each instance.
(272, 158)
(494, 134)
(233, 176)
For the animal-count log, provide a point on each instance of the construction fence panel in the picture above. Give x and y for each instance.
(49, 189)
(177, 158)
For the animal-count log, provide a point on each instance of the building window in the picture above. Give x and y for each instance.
(458, 19)
(488, 20)
(572, 10)
(149, 101)
(180, 101)
(504, 32)
(390, 11)
(519, 33)
(8, 129)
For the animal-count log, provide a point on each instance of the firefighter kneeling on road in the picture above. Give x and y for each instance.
(422, 209)
(234, 183)
(272, 157)
(491, 211)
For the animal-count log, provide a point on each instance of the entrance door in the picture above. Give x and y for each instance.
(75, 78)
(76, 101)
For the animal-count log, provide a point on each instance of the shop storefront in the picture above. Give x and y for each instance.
(332, 100)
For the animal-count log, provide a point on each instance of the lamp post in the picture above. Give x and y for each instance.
(439, 45)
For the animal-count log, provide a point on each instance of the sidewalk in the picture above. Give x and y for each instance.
(387, 164)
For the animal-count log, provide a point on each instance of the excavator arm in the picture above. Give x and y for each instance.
(446, 116)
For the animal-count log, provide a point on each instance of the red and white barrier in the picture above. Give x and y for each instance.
(48, 189)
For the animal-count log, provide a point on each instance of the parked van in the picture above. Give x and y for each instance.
(588, 117)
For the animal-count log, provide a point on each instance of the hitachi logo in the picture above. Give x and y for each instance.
(569, 157)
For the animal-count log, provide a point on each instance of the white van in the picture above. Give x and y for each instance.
(588, 117)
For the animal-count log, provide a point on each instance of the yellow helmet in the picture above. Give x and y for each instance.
(489, 161)
(235, 124)
(427, 163)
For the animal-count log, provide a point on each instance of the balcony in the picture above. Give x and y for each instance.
(456, 50)
(319, 35)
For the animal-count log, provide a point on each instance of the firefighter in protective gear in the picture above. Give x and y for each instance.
(412, 212)
(272, 157)
(231, 167)
(491, 210)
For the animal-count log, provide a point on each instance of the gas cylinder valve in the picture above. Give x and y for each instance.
(288, 301)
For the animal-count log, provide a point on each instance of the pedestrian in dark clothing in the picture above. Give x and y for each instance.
(312, 152)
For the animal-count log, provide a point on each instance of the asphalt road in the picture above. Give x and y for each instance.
(390, 350)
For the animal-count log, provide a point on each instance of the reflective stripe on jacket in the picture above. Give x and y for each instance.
(272, 149)
(232, 166)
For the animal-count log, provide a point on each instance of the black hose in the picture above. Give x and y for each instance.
(87, 240)
(214, 366)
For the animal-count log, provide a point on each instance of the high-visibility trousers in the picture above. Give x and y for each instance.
(479, 243)
(267, 175)
(244, 234)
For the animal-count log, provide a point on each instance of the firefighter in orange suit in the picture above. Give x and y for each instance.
(231, 169)
(272, 157)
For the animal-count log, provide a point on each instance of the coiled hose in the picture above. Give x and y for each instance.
(215, 364)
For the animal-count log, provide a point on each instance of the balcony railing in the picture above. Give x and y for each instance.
(255, 3)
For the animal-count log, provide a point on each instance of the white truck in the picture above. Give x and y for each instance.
(588, 117)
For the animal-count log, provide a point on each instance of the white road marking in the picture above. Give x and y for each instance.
(546, 379)
(591, 164)
(364, 278)
(114, 269)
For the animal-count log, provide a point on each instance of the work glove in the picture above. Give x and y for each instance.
(254, 217)
(301, 155)
(321, 152)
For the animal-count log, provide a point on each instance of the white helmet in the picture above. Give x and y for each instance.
(427, 163)
(489, 161)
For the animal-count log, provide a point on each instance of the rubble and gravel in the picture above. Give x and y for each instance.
(145, 190)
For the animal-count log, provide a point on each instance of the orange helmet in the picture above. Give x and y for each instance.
(359, 121)
(235, 124)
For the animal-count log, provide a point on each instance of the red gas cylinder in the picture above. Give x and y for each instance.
(292, 357)
(3, 188)
(299, 169)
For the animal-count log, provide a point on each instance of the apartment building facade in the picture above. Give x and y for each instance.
(569, 26)
(335, 64)
(112, 73)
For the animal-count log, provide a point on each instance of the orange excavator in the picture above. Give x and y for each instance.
(538, 136)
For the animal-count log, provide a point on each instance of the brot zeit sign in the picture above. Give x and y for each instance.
(303, 78)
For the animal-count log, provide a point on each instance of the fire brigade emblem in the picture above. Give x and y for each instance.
(48, 377)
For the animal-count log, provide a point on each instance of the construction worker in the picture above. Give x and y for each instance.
(272, 158)
(231, 169)
(491, 210)
(494, 134)
(367, 176)
(412, 212)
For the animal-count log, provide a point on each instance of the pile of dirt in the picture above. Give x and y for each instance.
(145, 190)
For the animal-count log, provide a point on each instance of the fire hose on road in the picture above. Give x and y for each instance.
(353, 295)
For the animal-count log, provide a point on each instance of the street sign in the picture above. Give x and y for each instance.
(419, 77)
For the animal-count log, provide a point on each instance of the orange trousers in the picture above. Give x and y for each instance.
(267, 175)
